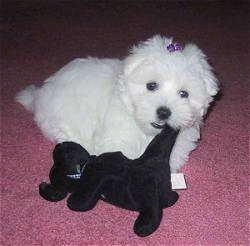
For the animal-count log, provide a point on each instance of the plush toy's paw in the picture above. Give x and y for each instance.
(147, 223)
(172, 198)
(51, 193)
(79, 202)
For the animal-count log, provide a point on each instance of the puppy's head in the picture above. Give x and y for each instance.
(159, 86)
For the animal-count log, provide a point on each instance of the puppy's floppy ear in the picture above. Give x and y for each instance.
(199, 63)
(144, 50)
(132, 62)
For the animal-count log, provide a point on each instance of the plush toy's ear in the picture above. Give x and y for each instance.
(199, 62)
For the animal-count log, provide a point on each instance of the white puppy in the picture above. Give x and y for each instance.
(120, 105)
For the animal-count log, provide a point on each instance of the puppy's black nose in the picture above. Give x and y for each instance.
(163, 113)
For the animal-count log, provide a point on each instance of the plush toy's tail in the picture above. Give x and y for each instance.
(162, 144)
(26, 97)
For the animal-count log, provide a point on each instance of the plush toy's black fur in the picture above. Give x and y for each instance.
(143, 184)
(69, 160)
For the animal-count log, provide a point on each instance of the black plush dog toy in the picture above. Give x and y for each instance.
(69, 161)
(143, 184)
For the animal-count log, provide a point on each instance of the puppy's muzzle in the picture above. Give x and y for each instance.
(163, 113)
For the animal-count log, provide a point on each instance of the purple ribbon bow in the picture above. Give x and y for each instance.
(174, 47)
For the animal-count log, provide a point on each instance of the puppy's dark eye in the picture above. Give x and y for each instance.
(152, 86)
(183, 94)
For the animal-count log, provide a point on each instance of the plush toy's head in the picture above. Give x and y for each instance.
(69, 161)
(70, 158)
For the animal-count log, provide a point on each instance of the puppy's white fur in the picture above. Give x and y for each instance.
(104, 104)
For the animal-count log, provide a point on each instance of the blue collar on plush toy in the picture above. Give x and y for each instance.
(78, 174)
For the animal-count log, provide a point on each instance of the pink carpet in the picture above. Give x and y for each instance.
(38, 37)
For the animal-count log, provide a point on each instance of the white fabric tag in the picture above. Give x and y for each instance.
(178, 181)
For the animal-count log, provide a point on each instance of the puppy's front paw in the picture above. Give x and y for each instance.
(51, 193)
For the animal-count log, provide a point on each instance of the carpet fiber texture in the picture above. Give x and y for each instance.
(38, 37)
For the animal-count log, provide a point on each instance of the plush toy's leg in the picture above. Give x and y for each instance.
(56, 190)
(51, 193)
(87, 194)
(170, 199)
(150, 215)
